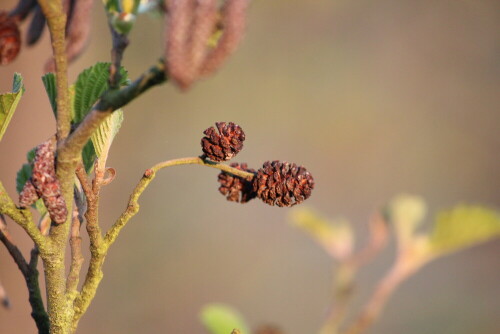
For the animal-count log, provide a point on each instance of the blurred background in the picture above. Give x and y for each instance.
(373, 97)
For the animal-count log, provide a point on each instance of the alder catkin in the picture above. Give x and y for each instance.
(46, 183)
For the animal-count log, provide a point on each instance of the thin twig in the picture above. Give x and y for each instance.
(149, 175)
(120, 43)
(409, 260)
(30, 274)
(346, 272)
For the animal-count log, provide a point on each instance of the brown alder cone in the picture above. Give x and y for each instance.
(225, 144)
(283, 183)
(236, 189)
(46, 183)
(10, 38)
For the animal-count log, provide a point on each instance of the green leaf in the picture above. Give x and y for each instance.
(335, 236)
(88, 156)
(90, 85)
(463, 226)
(30, 156)
(49, 82)
(23, 175)
(9, 101)
(406, 213)
(222, 319)
(104, 135)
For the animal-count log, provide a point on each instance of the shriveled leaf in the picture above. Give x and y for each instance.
(335, 236)
(222, 319)
(90, 85)
(9, 101)
(49, 82)
(406, 213)
(103, 137)
(463, 226)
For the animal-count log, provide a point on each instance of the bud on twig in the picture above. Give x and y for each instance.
(237, 189)
(224, 145)
(283, 183)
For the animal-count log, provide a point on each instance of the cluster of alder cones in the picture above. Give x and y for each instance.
(278, 183)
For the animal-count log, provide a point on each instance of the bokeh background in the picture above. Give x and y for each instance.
(374, 97)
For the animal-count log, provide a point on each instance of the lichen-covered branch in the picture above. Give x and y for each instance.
(56, 20)
(22, 217)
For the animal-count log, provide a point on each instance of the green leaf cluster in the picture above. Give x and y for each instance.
(222, 319)
(463, 226)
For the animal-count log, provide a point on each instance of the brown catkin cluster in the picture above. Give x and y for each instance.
(224, 144)
(268, 329)
(235, 188)
(10, 38)
(200, 35)
(283, 183)
(44, 182)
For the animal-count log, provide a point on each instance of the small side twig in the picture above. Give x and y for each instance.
(346, 272)
(149, 175)
(75, 243)
(120, 43)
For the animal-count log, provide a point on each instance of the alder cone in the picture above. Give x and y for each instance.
(235, 188)
(46, 183)
(283, 183)
(10, 39)
(224, 144)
